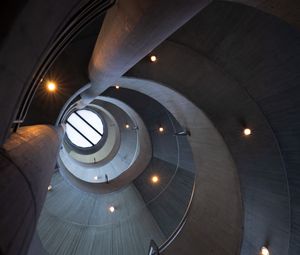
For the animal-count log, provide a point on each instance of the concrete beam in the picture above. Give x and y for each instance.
(132, 29)
(27, 162)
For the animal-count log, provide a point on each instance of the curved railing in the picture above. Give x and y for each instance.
(79, 20)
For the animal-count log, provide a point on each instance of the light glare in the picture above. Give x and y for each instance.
(264, 251)
(153, 58)
(247, 131)
(111, 209)
(155, 179)
(51, 86)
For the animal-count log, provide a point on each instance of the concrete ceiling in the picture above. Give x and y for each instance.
(239, 65)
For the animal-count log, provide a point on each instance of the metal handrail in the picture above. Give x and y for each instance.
(79, 20)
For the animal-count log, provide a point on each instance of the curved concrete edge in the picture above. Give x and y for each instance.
(139, 162)
(27, 164)
(107, 151)
(215, 219)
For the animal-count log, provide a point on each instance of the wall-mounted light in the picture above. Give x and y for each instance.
(117, 86)
(49, 187)
(154, 179)
(111, 209)
(161, 129)
(247, 131)
(96, 178)
(153, 58)
(127, 126)
(51, 86)
(264, 251)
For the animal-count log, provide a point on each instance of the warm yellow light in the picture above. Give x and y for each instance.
(51, 86)
(264, 251)
(117, 87)
(127, 126)
(247, 131)
(49, 187)
(155, 179)
(153, 58)
(111, 209)
(161, 129)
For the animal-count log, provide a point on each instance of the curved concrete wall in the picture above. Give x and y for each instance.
(172, 162)
(131, 158)
(30, 37)
(27, 163)
(241, 67)
(216, 206)
(75, 222)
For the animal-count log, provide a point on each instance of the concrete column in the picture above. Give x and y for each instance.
(131, 29)
(27, 162)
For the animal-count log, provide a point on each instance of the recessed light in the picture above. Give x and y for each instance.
(51, 86)
(247, 131)
(155, 179)
(153, 58)
(111, 209)
(264, 251)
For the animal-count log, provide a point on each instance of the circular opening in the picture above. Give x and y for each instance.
(84, 128)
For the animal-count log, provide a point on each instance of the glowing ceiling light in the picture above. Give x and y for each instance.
(111, 209)
(117, 87)
(153, 58)
(155, 179)
(247, 131)
(264, 251)
(161, 129)
(51, 86)
(127, 126)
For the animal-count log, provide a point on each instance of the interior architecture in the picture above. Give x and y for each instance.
(147, 127)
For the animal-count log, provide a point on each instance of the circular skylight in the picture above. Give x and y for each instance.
(84, 128)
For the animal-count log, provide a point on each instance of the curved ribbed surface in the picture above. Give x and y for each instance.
(74, 222)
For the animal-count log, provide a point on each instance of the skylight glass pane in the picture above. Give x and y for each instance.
(76, 138)
(81, 129)
(84, 128)
(93, 119)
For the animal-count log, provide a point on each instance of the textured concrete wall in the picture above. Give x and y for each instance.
(241, 67)
(216, 206)
(31, 33)
(27, 163)
(75, 222)
(172, 162)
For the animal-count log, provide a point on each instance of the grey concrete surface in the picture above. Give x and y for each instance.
(36, 247)
(172, 162)
(287, 10)
(131, 158)
(75, 222)
(277, 97)
(27, 163)
(241, 67)
(131, 29)
(214, 224)
(30, 35)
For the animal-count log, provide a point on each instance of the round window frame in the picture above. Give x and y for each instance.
(86, 150)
